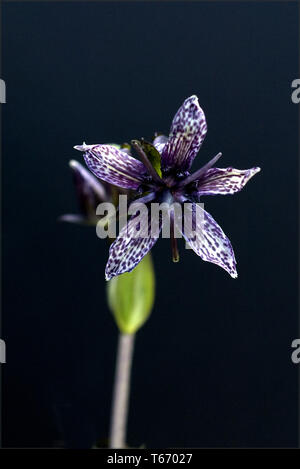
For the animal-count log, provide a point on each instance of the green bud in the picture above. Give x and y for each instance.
(131, 296)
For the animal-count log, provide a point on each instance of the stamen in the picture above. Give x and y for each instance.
(200, 171)
(174, 247)
(144, 158)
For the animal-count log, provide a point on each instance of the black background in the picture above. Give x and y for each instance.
(212, 366)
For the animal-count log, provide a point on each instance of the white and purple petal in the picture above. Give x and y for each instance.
(224, 180)
(159, 142)
(126, 148)
(113, 165)
(187, 133)
(90, 192)
(209, 241)
(129, 249)
(87, 186)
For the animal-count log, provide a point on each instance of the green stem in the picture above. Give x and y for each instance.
(120, 403)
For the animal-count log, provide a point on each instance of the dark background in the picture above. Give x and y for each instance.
(212, 366)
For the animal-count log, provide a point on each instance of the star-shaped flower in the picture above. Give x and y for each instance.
(164, 174)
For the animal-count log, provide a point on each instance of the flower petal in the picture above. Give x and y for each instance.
(128, 249)
(159, 142)
(225, 180)
(90, 191)
(209, 241)
(125, 147)
(114, 165)
(186, 136)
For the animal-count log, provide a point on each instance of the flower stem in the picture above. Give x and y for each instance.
(120, 403)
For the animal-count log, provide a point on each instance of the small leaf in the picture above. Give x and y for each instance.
(131, 296)
(153, 155)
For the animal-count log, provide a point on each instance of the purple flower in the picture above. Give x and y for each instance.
(90, 193)
(164, 174)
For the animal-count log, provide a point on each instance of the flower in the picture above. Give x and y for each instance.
(131, 307)
(164, 174)
(90, 193)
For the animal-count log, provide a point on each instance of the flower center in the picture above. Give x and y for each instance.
(172, 177)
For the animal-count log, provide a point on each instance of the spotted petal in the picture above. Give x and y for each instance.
(186, 136)
(209, 241)
(90, 191)
(128, 249)
(225, 180)
(159, 142)
(113, 165)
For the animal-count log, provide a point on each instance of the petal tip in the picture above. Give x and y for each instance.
(194, 97)
(108, 275)
(192, 100)
(73, 164)
(84, 147)
(253, 171)
(79, 147)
